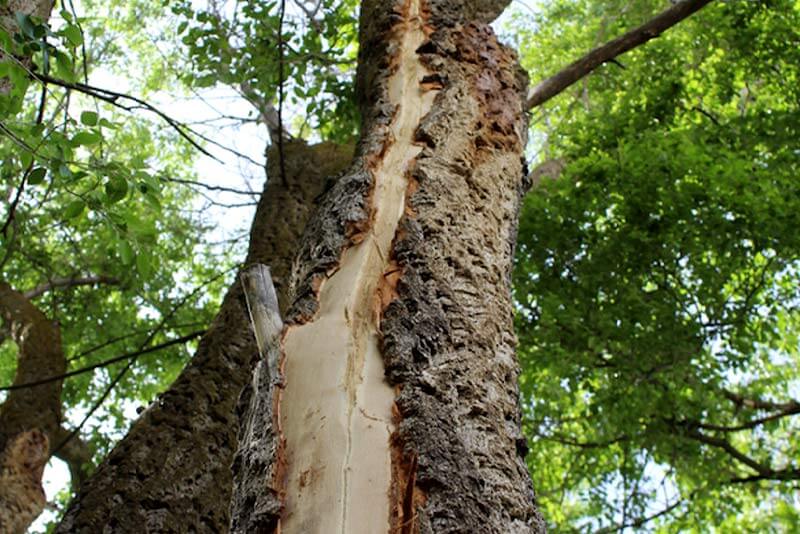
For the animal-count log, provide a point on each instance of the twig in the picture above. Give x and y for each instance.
(114, 97)
(105, 363)
(281, 160)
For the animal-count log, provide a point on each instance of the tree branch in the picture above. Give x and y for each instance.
(759, 404)
(127, 356)
(69, 282)
(76, 454)
(114, 97)
(557, 83)
(763, 471)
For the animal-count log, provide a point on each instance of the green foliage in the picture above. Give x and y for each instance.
(240, 49)
(656, 278)
(96, 198)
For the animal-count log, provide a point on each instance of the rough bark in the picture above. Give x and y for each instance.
(443, 300)
(30, 417)
(171, 473)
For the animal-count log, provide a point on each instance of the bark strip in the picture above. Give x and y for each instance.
(254, 501)
(336, 409)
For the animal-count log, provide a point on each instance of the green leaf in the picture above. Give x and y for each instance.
(64, 170)
(74, 209)
(37, 175)
(116, 188)
(86, 138)
(105, 123)
(144, 265)
(64, 66)
(89, 118)
(25, 24)
(125, 251)
(73, 34)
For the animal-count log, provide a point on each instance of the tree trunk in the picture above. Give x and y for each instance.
(398, 410)
(8, 22)
(171, 472)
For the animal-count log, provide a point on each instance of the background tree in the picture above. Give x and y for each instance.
(656, 275)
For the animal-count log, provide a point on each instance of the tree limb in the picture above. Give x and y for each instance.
(76, 454)
(554, 85)
(69, 282)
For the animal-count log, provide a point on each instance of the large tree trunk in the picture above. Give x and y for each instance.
(171, 472)
(399, 410)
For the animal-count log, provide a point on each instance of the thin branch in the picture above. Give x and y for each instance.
(105, 363)
(281, 45)
(124, 337)
(12, 209)
(758, 404)
(114, 97)
(70, 282)
(212, 187)
(640, 521)
(130, 363)
(557, 83)
(791, 410)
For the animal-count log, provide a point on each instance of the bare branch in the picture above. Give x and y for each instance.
(116, 99)
(557, 83)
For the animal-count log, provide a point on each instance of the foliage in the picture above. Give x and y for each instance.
(95, 197)
(656, 278)
(239, 46)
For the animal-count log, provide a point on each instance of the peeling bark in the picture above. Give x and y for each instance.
(441, 304)
(171, 473)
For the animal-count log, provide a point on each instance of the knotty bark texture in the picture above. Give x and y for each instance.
(171, 472)
(445, 308)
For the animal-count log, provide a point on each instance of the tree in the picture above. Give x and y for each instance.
(655, 281)
(456, 380)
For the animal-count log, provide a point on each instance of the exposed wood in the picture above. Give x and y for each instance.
(557, 83)
(443, 301)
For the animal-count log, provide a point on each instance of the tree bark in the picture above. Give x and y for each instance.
(36, 8)
(30, 418)
(399, 408)
(171, 472)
